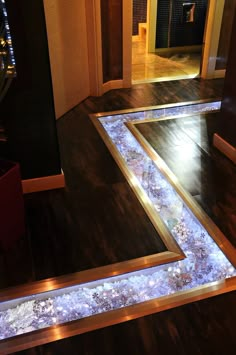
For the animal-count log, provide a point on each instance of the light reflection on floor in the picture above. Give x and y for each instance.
(204, 263)
(149, 67)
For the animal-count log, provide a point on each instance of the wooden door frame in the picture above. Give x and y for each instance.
(94, 39)
(211, 40)
(94, 35)
(151, 23)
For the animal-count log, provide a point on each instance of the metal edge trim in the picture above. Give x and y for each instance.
(66, 330)
(150, 108)
(166, 118)
(84, 277)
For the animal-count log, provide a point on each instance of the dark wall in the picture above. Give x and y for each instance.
(228, 108)
(28, 108)
(139, 14)
(112, 57)
(179, 33)
(163, 10)
(225, 34)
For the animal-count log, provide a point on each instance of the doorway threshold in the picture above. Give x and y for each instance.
(165, 78)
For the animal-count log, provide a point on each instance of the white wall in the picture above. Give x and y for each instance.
(68, 50)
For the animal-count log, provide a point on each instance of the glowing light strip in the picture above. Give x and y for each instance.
(205, 262)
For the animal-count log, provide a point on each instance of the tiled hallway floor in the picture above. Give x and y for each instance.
(147, 67)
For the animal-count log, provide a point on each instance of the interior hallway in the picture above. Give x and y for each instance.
(93, 222)
(148, 67)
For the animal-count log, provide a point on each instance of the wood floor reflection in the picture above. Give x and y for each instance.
(185, 145)
(162, 66)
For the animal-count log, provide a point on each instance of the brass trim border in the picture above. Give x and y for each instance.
(91, 275)
(203, 218)
(66, 330)
(93, 116)
(43, 183)
(224, 147)
(167, 118)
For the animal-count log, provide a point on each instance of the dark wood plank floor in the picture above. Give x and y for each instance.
(83, 226)
(98, 200)
(185, 144)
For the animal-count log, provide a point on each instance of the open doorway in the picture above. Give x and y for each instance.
(167, 39)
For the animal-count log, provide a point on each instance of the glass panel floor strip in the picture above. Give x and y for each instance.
(205, 263)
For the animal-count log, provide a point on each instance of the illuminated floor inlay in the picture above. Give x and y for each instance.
(205, 263)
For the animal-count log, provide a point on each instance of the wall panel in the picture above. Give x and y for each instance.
(67, 40)
(139, 14)
(173, 31)
(28, 107)
(228, 108)
(111, 23)
(225, 34)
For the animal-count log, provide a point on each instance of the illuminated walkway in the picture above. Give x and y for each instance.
(200, 272)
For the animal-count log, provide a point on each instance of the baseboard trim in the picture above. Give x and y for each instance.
(227, 149)
(135, 38)
(219, 73)
(113, 84)
(174, 50)
(43, 183)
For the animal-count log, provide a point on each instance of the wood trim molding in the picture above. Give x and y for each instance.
(94, 35)
(93, 12)
(43, 183)
(112, 84)
(127, 42)
(211, 37)
(127, 51)
(227, 149)
(220, 73)
(151, 23)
